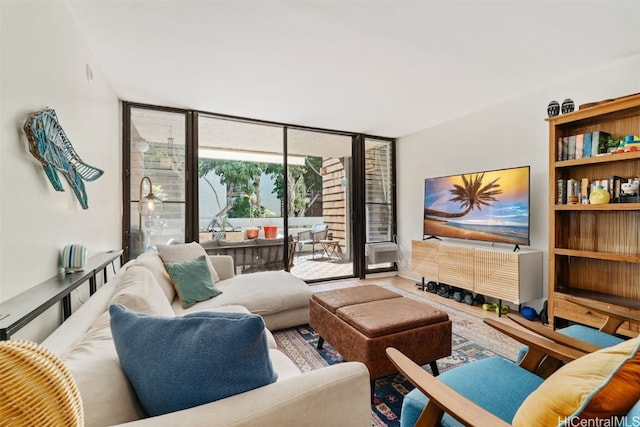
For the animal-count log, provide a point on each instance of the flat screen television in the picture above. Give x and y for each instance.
(489, 206)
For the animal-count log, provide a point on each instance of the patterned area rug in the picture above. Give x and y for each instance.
(470, 327)
(471, 340)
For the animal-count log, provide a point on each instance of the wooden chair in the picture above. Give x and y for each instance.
(496, 392)
(581, 337)
(445, 398)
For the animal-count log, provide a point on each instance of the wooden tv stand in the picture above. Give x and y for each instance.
(493, 272)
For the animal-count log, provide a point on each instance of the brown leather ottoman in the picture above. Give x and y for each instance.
(362, 321)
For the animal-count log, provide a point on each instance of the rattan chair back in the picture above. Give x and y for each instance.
(36, 388)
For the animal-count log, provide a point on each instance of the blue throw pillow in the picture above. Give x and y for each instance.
(192, 280)
(176, 363)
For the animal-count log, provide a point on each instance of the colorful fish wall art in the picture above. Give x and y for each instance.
(49, 144)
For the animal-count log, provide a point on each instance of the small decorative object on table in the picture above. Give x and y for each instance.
(553, 109)
(252, 232)
(73, 258)
(270, 231)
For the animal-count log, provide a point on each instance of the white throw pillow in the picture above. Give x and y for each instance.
(153, 262)
(138, 290)
(185, 252)
(107, 395)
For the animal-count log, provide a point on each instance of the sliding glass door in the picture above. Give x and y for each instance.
(240, 188)
(249, 201)
(319, 203)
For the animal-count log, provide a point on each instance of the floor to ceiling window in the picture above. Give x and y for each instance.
(156, 165)
(273, 196)
(379, 204)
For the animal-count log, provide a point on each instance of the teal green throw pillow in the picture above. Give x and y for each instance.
(175, 363)
(192, 280)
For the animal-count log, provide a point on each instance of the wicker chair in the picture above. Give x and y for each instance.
(36, 388)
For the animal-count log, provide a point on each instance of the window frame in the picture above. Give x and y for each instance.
(358, 214)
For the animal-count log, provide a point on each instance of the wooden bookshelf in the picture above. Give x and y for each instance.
(594, 250)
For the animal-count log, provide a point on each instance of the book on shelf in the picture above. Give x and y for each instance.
(565, 148)
(571, 147)
(561, 192)
(559, 150)
(584, 191)
(615, 188)
(579, 146)
(587, 145)
(599, 142)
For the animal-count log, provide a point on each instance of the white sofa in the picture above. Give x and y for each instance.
(337, 395)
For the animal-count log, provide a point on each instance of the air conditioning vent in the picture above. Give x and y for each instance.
(380, 253)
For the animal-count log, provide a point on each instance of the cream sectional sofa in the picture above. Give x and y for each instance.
(337, 395)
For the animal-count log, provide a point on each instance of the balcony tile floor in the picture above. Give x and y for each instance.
(307, 267)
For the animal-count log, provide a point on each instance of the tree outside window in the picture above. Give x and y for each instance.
(242, 180)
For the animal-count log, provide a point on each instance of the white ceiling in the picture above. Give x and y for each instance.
(385, 68)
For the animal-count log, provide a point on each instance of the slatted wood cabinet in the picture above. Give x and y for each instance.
(594, 250)
(498, 273)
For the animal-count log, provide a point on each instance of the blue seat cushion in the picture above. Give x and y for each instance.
(591, 335)
(583, 333)
(493, 383)
(633, 417)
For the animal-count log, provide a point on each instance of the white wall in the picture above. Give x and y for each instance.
(511, 134)
(44, 61)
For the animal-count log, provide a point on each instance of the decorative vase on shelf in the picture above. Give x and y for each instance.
(567, 106)
(599, 196)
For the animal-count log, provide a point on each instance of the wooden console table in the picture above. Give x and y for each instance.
(498, 273)
(18, 311)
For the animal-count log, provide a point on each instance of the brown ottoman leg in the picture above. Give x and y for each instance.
(320, 343)
(434, 368)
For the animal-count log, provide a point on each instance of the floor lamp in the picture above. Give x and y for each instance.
(147, 205)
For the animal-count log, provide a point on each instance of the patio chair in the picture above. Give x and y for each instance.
(496, 392)
(312, 237)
